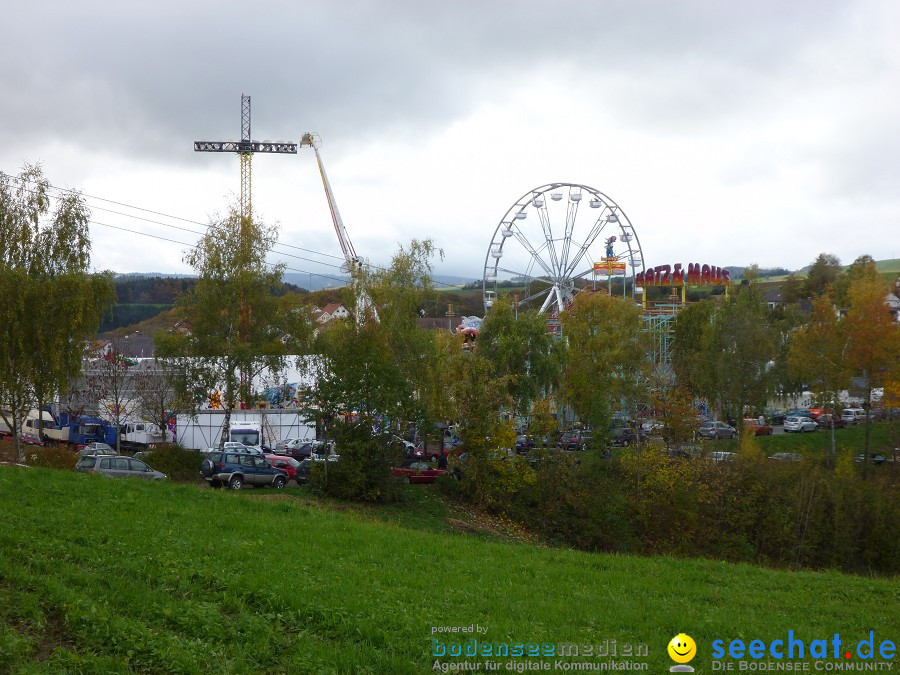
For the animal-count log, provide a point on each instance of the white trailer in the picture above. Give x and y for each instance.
(266, 427)
(140, 435)
(35, 420)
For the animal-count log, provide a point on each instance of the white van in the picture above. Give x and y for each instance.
(853, 415)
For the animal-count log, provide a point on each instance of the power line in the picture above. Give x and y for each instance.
(200, 234)
(182, 243)
(209, 225)
(184, 229)
(165, 215)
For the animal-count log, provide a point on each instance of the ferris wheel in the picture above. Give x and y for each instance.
(556, 240)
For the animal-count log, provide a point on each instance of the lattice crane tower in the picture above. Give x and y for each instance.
(245, 148)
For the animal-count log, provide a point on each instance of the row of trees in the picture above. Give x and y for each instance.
(391, 374)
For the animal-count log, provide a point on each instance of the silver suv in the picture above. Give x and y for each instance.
(118, 467)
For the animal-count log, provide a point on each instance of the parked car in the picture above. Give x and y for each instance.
(299, 449)
(775, 417)
(758, 429)
(234, 446)
(787, 457)
(234, 469)
(303, 470)
(800, 424)
(717, 430)
(118, 467)
(304, 449)
(418, 472)
(97, 448)
(652, 427)
(875, 459)
(282, 446)
(853, 415)
(824, 421)
(524, 443)
(408, 447)
(288, 464)
(798, 412)
(685, 451)
(575, 440)
(623, 436)
(304, 467)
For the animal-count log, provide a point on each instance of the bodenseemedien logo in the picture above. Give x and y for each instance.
(682, 649)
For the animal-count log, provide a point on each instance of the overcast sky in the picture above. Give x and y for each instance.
(730, 132)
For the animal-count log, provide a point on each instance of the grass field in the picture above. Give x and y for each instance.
(884, 436)
(889, 269)
(119, 576)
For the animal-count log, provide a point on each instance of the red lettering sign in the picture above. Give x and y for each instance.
(675, 275)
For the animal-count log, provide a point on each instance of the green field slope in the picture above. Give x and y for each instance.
(99, 575)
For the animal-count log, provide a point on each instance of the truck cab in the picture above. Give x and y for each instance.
(248, 433)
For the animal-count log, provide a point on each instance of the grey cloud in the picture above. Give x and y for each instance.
(151, 78)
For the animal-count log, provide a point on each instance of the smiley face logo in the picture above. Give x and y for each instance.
(682, 648)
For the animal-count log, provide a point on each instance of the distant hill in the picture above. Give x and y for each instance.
(889, 269)
(314, 282)
(144, 296)
(150, 275)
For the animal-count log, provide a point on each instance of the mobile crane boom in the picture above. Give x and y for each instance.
(352, 263)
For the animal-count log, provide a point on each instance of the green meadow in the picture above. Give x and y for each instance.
(98, 575)
(883, 436)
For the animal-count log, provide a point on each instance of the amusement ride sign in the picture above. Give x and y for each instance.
(675, 275)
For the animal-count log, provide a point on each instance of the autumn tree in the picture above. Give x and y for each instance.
(378, 378)
(478, 397)
(543, 423)
(863, 266)
(520, 350)
(822, 273)
(607, 360)
(241, 326)
(873, 348)
(785, 320)
(736, 351)
(49, 302)
(401, 291)
(678, 414)
(792, 289)
(818, 353)
(688, 359)
(383, 369)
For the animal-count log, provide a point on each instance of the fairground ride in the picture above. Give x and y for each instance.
(554, 241)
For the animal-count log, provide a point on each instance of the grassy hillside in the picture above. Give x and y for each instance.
(119, 576)
(888, 269)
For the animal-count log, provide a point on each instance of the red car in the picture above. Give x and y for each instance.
(288, 464)
(824, 422)
(418, 472)
(758, 429)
